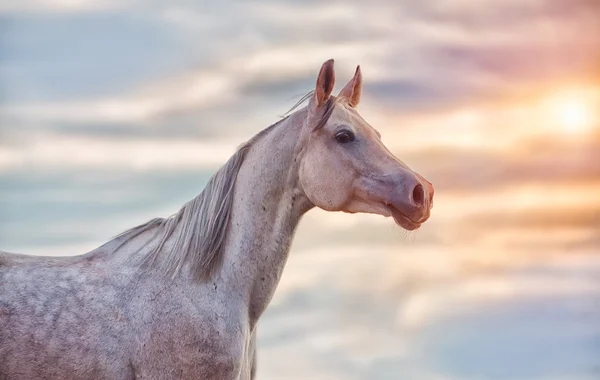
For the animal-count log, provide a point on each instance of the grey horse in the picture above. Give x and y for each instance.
(180, 297)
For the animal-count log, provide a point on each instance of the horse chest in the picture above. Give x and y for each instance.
(186, 342)
(190, 354)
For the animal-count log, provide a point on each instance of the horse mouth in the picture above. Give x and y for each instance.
(403, 220)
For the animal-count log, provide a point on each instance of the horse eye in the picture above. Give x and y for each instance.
(344, 136)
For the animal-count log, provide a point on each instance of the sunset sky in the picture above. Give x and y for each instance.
(115, 112)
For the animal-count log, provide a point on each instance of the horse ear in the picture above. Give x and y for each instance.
(325, 83)
(353, 89)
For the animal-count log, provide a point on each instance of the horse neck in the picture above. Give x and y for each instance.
(268, 204)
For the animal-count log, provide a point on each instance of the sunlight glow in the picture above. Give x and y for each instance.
(572, 113)
(575, 117)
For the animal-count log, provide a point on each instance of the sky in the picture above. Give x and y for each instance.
(115, 112)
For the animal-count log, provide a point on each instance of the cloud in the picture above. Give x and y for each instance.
(147, 104)
(48, 151)
(491, 145)
(465, 170)
(59, 6)
(45, 61)
(434, 300)
(68, 205)
(445, 55)
(586, 215)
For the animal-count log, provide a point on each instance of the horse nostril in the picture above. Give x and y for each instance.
(418, 195)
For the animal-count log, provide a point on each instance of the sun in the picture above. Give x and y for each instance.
(574, 116)
(572, 112)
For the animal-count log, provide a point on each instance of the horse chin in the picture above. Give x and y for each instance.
(402, 220)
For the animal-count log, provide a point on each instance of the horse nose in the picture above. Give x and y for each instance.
(413, 196)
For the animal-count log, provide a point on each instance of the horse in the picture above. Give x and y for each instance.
(180, 297)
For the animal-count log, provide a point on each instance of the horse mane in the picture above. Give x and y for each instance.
(203, 221)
